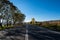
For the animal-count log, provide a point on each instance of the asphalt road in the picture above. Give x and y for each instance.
(29, 32)
(16, 33)
(39, 33)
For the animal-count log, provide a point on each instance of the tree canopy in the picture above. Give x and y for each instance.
(10, 12)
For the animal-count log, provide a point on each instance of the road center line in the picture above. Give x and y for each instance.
(26, 35)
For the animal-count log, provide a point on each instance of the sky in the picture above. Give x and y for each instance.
(41, 10)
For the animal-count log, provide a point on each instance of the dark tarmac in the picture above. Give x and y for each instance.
(34, 33)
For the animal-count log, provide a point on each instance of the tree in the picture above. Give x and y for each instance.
(18, 17)
(10, 11)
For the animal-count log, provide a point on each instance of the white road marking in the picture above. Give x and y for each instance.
(26, 35)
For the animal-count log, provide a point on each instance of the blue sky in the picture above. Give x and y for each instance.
(41, 10)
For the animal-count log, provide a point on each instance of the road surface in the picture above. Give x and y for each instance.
(39, 33)
(29, 32)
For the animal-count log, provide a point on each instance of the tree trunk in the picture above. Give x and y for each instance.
(7, 23)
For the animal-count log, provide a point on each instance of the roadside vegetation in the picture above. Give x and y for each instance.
(51, 26)
(54, 27)
(10, 15)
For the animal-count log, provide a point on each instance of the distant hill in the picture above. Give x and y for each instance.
(52, 22)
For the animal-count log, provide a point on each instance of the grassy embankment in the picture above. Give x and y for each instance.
(54, 27)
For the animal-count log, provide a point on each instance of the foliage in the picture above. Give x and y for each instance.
(18, 17)
(10, 13)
